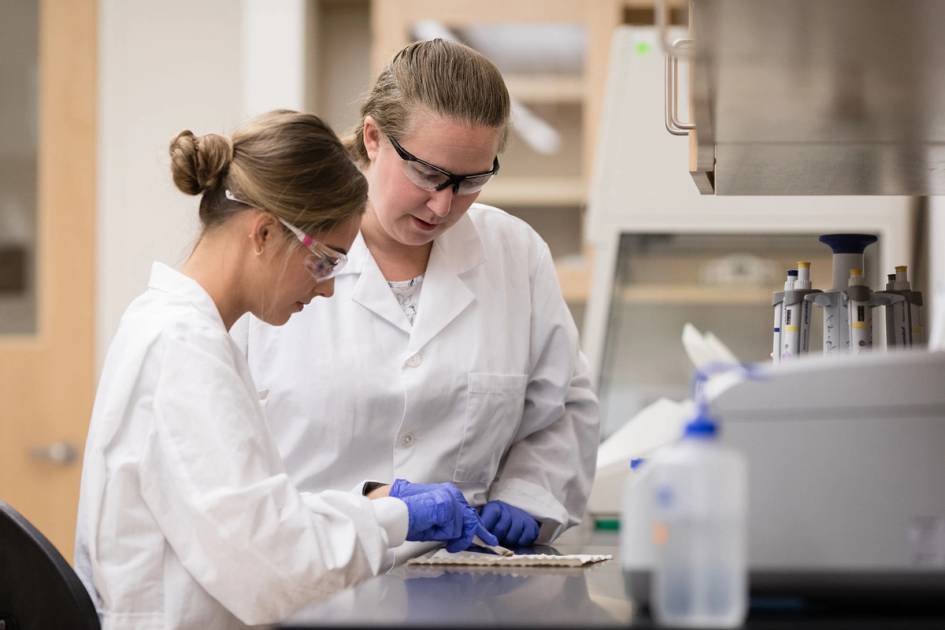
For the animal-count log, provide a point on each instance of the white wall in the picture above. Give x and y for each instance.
(163, 67)
(273, 54)
(340, 74)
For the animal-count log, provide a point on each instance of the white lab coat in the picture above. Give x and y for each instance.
(187, 518)
(488, 389)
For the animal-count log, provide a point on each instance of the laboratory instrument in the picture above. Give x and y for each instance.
(904, 325)
(898, 333)
(777, 302)
(796, 312)
(914, 308)
(642, 202)
(845, 453)
(803, 288)
(860, 316)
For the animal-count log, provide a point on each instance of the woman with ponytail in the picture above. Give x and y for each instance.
(187, 518)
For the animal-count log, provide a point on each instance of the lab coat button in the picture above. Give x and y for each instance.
(407, 440)
(414, 361)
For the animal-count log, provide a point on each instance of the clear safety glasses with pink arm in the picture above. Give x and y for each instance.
(323, 263)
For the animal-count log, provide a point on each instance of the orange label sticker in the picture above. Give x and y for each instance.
(660, 533)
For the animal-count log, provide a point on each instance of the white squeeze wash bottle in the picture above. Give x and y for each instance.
(700, 497)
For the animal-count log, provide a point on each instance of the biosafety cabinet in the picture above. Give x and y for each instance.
(666, 254)
(844, 451)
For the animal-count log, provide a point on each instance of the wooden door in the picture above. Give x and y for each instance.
(47, 360)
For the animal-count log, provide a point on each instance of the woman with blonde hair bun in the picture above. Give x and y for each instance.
(187, 518)
(449, 352)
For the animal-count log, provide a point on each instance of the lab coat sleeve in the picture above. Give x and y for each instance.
(214, 482)
(549, 468)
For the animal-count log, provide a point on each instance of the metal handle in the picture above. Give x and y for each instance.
(60, 453)
(661, 16)
(673, 125)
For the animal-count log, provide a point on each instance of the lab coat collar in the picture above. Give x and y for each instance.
(444, 294)
(358, 257)
(371, 290)
(460, 246)
(169, 280)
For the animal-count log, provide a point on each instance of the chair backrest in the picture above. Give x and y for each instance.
(38, 588)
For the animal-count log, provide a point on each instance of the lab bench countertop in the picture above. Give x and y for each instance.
(590, 597)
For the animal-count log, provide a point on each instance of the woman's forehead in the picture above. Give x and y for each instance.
(451, 143)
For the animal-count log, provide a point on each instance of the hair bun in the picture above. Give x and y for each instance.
(199, 163)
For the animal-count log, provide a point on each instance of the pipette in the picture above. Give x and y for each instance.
(913, 305)
(802, 288)
(847, 254)
(860, 313)
(777, 304)
(790, 320)
(897, 315)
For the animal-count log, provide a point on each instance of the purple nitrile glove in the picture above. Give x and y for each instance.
(472, 526)
(402, 488)
(513, 527)
(440, 512)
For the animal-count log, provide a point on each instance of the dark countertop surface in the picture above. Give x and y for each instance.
(590, 597)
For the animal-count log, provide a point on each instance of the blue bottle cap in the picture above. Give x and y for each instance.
(701, 427)
(847, 243)
(636, 462)
(792, 272)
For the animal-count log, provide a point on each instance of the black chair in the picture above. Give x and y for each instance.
(38, 588)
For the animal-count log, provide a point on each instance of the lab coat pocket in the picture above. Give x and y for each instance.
(494, 404)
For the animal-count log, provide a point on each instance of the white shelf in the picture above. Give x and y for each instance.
(546, 88)
(575, 280)
(648, 4)
(534, 191)
(694, 294)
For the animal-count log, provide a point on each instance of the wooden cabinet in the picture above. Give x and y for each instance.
(48, 258)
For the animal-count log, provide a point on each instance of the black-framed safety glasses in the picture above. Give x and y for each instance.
(432, 178)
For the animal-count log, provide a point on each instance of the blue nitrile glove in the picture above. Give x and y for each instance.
(512, 526)
(472, 526)
(402, 488)
(440, 513)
